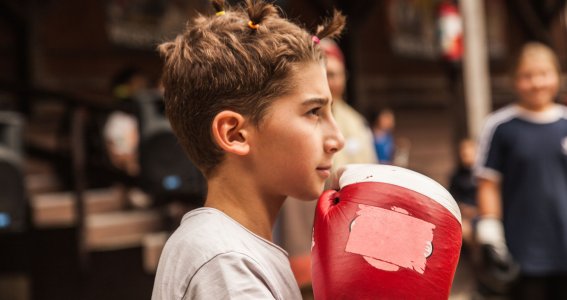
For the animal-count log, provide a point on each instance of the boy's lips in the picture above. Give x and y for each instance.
(324, 170)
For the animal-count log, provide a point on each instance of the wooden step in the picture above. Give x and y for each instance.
(43, 128)
(45, 138)
(107, 225)
(40, 176)
(40, 183)
(37, 166)
(118, 230)
(58, 208)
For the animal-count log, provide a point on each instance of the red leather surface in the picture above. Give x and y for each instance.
(375, 258)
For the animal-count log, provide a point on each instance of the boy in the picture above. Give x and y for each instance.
(247, 96)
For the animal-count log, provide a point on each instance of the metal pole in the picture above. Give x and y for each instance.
(475, 68)
(78, 154)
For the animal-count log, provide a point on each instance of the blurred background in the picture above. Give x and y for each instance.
(91, 178)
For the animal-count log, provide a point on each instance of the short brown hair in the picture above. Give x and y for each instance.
(238, 59)
(531, 48)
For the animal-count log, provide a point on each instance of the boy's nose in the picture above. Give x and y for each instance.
(336, 140)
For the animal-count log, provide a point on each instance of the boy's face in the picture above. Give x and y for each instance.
(537, 81)
(294, 145)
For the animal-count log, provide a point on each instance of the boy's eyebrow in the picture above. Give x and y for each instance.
(321, 101)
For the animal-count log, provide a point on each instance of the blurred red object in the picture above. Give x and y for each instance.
(450, 31)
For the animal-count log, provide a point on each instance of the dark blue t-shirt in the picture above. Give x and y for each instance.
(527, 153)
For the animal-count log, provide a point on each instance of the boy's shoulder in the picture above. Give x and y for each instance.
(207, 232)
(207, 229)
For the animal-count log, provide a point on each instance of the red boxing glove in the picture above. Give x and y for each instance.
(388, 233)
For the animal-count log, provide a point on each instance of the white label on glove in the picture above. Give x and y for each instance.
(390, 239)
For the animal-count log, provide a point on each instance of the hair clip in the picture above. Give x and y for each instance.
(252, 25)
(220, 13)
(315, 39)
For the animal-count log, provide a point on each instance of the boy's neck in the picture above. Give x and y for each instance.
(239, 198)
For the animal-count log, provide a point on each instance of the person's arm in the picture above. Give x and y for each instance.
(488, 198)
(489, 228)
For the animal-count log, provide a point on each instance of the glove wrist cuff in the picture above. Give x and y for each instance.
(490, 231)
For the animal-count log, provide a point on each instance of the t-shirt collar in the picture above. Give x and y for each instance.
(550, 115)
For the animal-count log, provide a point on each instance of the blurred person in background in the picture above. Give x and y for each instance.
(383, 129)
(121, 129)
(463, 187)
(359, 147)
(121, 134)
(389, 148)
(522, 179)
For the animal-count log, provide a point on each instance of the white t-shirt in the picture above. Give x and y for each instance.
(211, 256)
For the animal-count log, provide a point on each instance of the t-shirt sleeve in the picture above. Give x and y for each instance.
(490, 161)
(229, 276)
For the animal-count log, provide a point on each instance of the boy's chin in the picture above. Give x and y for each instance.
(307, 199)
(311, 196)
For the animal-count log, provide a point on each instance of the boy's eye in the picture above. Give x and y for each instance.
(315, 111)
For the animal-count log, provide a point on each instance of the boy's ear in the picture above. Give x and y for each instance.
(231, 133)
